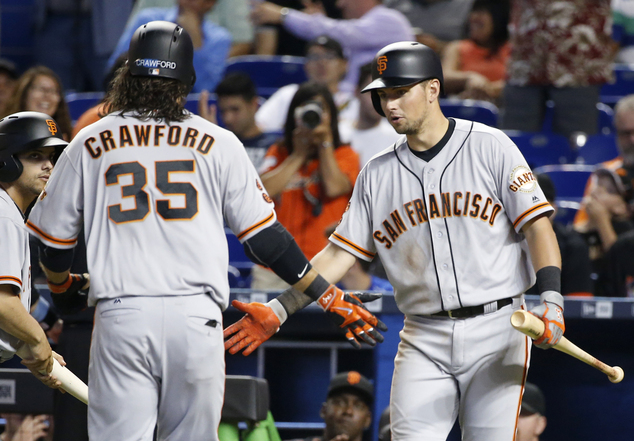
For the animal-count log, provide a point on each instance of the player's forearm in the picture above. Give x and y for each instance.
(542, 244)
(332, 262)
(16, 320)
(53, 276)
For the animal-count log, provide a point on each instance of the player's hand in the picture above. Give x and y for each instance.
(347, 312)
(256, 327)
(552, 314)
(67, 297)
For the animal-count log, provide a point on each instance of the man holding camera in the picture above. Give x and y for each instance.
(310, 174)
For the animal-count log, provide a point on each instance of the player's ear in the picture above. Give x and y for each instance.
(368, 420)
(433, 89)
(541, 425)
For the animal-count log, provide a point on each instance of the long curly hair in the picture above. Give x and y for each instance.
(162, 99)
(17, 102)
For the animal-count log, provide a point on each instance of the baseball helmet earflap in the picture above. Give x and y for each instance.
(403, 64)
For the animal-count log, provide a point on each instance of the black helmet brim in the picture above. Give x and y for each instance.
(384, 83)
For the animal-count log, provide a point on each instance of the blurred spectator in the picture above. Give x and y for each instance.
(369, 133)
(233, 15)
(623, 29)
(367, 27)
(532, 421)
(95, 113)
(27, 427)
(576, 267)
(211, 42)
(310, 174)
(475, 68)
(8, 76)
(436, 22)
(560, 51)
(237, 103)
(617, 277)
(608, 204)
(608, 216)
(347, 411)
(75, 38)
(325, 64)
(385, 434)
(39, 89)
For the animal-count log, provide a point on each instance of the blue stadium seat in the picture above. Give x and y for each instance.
(606, 119)
(623, 85)
(78, 103)
(473, 110)
(542, 148)
(597, 149)
(269, 72)
(569, 179)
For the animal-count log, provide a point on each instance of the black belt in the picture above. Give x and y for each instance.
(472, 311)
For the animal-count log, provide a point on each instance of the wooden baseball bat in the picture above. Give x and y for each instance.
(534, 327)
(70, 382)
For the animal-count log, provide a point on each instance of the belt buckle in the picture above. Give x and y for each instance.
(450, 314)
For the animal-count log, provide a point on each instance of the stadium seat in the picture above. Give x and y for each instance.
(569, 179)
(606, 119)
(239, 264)
(623, 85)
(78, 103)
(269, 72)
(542, 148)
(473, 110)
(596, 149)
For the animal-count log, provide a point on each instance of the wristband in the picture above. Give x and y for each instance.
(549, 279)
(278, 310)
(317, 288)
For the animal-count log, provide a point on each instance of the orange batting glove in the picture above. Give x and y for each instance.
(551, 312)
(348, 312)
(256, 327)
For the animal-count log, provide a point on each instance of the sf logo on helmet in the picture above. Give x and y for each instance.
(52, 127)
(381, 64)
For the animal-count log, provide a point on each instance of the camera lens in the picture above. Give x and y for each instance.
(309, 115)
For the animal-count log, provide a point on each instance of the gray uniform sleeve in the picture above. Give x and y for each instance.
(354, 232)
(247, 206)
(57, 217)
(520, 193)
(12, 255)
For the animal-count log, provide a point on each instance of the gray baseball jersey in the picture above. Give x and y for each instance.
(447, 230)
(15, 263)
(154, 199)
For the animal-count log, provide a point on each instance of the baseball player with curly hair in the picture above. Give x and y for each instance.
(461, 226)
(153, 186)
(29, 142)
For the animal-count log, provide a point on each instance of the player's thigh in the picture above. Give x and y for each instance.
(523, 108)
(123, 389)
(575, 109)
(424, 398)
(491, 385)
(194, 370)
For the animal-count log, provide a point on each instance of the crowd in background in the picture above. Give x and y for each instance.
(520, 55)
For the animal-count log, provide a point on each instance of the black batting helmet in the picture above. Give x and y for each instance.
(403, 64)
(21, 132)
(162, 49)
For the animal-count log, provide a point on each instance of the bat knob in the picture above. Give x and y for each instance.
(617, 376)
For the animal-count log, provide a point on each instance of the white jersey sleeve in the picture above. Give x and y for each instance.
(248, 208)
(12, 257)
(61, 199)
(354, 232)
(520, 193)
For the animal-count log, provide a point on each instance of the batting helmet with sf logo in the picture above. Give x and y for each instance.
(21, 132)
(403, 64)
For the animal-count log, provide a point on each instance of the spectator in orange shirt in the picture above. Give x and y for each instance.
(310, 175)
(476, 67)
